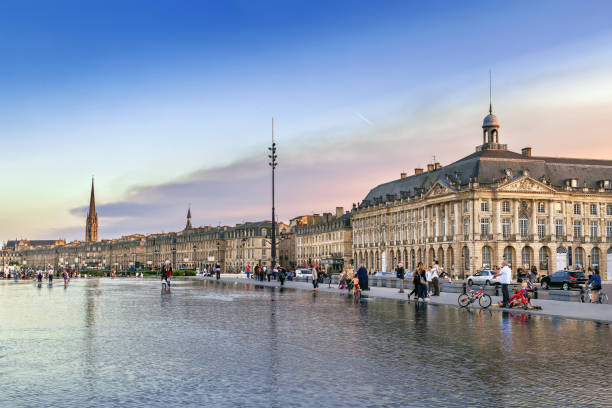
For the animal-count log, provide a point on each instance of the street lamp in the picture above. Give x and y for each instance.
(174, 258)
(195, 266)
(273, 163)
(243, 242)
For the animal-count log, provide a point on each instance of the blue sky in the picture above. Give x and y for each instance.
(169, 103)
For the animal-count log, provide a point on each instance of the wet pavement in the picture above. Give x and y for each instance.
(125, 342)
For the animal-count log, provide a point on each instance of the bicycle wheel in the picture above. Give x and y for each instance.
(484, 301)
(603, 298)
(463, 300)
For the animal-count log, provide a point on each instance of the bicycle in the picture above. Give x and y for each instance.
(465, 299)
(602, 298)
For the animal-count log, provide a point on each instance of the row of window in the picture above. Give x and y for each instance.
(541, 207)
(541, 227)
(420, 213)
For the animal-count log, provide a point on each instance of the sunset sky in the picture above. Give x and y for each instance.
(169, 103)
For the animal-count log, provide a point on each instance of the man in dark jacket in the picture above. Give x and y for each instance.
(399, 273)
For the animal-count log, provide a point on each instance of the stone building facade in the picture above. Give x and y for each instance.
(489, 206)
(249, 244)
(325, 243)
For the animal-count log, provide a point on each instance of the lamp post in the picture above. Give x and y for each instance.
(218, 265)
(173, 257)
(195, 265)
(273, 163)
(243, 242)
(155, 257)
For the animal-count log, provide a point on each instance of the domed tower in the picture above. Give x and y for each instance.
(490, 133)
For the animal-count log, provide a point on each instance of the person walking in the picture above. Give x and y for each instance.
(595, 282)
(421, 282)
(315, 279)
(435, 279)
(282, 275)
(218, 271)
(428, 282)
(505, 279)
(399, 273)
(362, 275)
(415, 284)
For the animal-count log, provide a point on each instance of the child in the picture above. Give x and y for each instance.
(356, 288)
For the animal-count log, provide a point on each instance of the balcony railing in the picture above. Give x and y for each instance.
(486, 237)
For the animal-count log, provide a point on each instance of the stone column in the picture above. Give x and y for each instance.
(515, 227)
(534, 223)
(446, 221)
(551, 221)
(498, 227)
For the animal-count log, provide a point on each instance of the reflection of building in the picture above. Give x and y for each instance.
(327, 242)
(491, 205)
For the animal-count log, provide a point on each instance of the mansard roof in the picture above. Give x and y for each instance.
(490, 167)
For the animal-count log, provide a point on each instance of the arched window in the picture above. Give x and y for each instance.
(544, 258)
(486, 257)
(526, 256)
(524, 225)
(595, 258)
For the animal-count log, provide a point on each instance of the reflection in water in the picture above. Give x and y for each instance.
(108, 343)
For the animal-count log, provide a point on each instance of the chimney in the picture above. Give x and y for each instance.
(418, 171)
(438, 165)
(339, 211)
(526, 151)
(403, 175)
(430, 167)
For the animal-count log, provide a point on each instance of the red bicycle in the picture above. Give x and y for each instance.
(466, 299)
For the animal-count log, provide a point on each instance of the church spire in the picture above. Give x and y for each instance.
(188, 226)
(91, 225)
(92, 200)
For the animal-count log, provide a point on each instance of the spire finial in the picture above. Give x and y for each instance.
(490, 99)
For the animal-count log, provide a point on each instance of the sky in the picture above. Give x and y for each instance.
(168, 104)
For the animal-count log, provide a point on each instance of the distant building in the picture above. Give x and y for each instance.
(326, 242)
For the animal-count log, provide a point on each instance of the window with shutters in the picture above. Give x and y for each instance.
(524, 225)
(559, 228)
(484, 226)
(541, 228)
(505, 206)
(506, 228)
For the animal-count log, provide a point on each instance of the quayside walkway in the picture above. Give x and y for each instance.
(572, 310)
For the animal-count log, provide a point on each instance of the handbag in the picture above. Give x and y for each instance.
(422, 281)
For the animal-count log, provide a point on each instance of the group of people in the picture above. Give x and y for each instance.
(261, 273)
(351, 281)
(426, 281)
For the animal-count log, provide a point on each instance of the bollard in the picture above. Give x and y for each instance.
(496, 290)
(464, 288)
(535, 293)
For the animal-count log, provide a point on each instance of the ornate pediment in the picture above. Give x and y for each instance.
(526, 184)
(438, 189)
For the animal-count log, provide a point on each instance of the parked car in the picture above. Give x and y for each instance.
(385, 274)
(484, 277)
(563, 279)
(303, 273)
